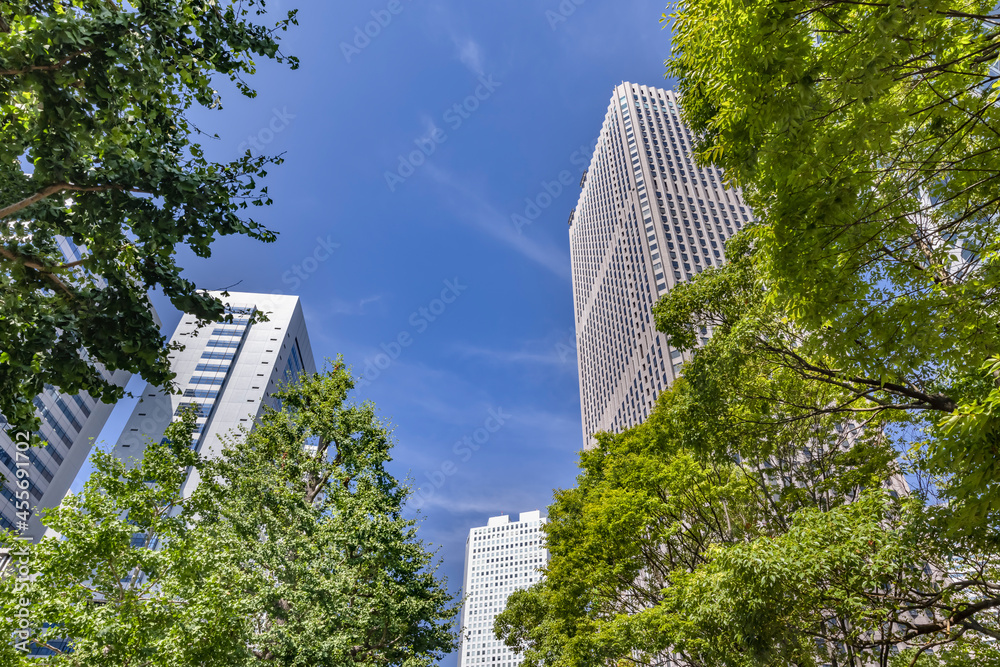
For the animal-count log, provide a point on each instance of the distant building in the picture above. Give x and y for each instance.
(647, 219)
(227, 371)
(500, 557)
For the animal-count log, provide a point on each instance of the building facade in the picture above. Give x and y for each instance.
(227, 372)
(69, 426)
(647, 219)
(500, 558)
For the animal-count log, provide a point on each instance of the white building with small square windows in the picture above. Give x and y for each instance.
(647, 219)
(501, 557)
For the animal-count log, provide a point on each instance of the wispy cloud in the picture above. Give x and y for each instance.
(469, 53)
(559, 354)
(430, 129)
(337, 306)
(473, 208)
(369, 299)
(513, 502)
(468, 49)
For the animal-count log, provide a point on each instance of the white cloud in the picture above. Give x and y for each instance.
(561, 353)
(369, 299)
(473, 208)
(469, 53)
(338, 306)
(475, 505)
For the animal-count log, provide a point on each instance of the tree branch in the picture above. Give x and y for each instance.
(44, 270)
(40, 68)
(50, 190)
(934, 401)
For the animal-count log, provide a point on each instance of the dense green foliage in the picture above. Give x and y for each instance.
(187, 606)
(96, 147)
(291, 551)
(779, 369)
(347, 581)
(719, 539)
(865, 138)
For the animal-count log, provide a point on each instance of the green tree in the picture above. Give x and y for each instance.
(697, 536)
(96, 147)
(290, 551)
(864, 138)
(775, 369)
(135, 580)
(346, 580)
(759, 516)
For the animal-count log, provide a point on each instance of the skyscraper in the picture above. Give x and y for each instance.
(227, 371)
(500, 557)
(647, 219)
(69, 426)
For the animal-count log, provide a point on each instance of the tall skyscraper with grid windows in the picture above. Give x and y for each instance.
(500, 557)
(647, 219)
(227, 372)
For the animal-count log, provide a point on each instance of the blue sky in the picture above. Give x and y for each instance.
(366, 252)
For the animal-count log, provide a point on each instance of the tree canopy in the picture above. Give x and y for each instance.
(97, 149)
(292, 551)
(714, 535)
(780, 506)
(864, 138)
(820, 486)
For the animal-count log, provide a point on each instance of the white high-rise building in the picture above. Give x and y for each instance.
(227, 371)
(500, 557)
(647, 219)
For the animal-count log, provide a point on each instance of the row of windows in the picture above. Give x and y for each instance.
(201, 379)
(212, 354)
(211, 368)
(231, 343)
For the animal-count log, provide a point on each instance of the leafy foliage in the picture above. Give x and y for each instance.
(762, 515)
(290, 551)
(782, 505)
(698, 537)
(134, 579)
(96, 147)
(347, 581)
(864, 137)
